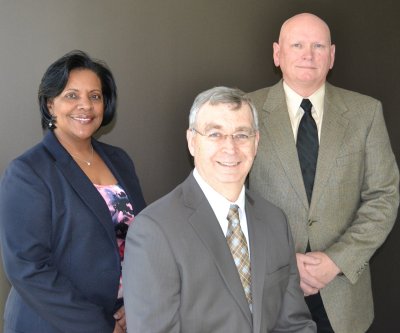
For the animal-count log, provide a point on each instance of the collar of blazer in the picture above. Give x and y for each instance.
(80, 182)
(276, 122)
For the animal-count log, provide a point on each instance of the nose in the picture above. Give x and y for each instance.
(308, 52)
(228, 143)
(85, 103)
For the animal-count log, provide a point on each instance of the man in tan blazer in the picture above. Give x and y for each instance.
(340, 217)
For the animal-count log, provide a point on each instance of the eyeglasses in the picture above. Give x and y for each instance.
(239, 138)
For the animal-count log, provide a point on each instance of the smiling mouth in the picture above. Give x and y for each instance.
(82, 119)
(229, 164)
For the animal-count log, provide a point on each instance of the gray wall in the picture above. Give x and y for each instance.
(163, 52)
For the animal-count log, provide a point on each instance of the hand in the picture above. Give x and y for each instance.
(118, 328)
(308, 283)
(325, 271)
(120, 320)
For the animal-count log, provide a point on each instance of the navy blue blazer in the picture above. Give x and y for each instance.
(58, 241)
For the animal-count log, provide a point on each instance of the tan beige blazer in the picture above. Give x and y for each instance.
(355, 196)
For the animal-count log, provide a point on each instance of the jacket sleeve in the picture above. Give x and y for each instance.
(294, 315)
(151, 280)
(27, 245)
(379, 200)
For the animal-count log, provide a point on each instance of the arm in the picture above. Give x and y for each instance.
(379, 199)
(29, 247)
(151, 280)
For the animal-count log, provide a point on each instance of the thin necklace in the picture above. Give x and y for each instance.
(89, 162)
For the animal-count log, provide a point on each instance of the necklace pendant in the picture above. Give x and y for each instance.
(89, 164)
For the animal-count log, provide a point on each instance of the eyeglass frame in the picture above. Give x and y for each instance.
(235, 138)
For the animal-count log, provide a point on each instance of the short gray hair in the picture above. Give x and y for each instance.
(223, 95)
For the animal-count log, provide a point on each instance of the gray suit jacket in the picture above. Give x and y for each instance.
(179, 275)
(355, 197)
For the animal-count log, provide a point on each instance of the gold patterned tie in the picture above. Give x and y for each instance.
(240, 252)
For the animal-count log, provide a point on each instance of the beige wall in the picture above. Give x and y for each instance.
(163, 52)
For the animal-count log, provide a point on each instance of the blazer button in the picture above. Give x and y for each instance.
(311, 222)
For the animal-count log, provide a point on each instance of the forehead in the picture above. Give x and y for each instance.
(305, 26)
(224, 114)
(83, 76)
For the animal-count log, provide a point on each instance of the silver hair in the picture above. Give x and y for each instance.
(224, 95)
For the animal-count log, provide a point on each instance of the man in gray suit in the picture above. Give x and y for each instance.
(325, 159)
(211, 256)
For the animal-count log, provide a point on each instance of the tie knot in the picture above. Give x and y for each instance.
(306, 105)
(233, 213)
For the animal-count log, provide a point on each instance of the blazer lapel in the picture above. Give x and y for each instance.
(81, 184)
(333, 130)
(279, 131)
(258, 249)
(209, 231)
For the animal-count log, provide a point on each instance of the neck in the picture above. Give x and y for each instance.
(81, 147)
(231, 193)
(304, 90)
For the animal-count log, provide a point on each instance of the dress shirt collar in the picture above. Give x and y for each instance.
(293, 101)
(219, 204)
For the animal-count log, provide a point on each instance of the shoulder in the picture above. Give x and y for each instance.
(36, 157)
(350, 98)
(168, 207)
(259, 96)
(178, 206)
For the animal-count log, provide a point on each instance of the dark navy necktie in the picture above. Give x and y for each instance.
(307, 147)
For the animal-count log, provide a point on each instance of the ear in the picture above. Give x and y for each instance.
(50, 103)
(190, 137)
(275, 53)
(257, 139)
(333, 50)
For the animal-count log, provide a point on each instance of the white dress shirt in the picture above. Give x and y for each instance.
(220, 205)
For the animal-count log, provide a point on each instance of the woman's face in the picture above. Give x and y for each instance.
(79, 108)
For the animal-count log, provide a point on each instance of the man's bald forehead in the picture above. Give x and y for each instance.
(304, 18)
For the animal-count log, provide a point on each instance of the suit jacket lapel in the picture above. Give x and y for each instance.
(333, 130)
(81, 184)
(209, 231)
(258, 249)
(279, 131)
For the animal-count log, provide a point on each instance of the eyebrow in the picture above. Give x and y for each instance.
(211, 126)
(77, 90)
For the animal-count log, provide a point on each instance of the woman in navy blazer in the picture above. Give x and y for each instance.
(65, 206)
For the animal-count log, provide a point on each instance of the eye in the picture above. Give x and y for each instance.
(319, 46)
(297, 45)
(96, 97)
(215, 135)
(240, 136)
(71, 95)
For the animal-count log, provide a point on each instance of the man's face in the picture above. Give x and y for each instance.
(222, 161)
(304, 53)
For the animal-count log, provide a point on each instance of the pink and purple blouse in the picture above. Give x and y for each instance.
(121, 213)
